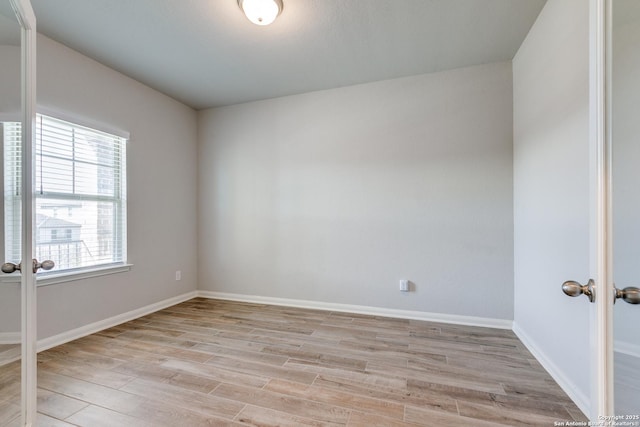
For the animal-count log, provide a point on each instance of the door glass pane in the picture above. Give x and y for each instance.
(626, 202)
(10, 107)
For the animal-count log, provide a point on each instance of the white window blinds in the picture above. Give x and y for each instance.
(12, 135)
(80, 195)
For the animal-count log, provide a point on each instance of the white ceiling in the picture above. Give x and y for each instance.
(205, 53)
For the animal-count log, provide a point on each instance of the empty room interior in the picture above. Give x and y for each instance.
(360, 214)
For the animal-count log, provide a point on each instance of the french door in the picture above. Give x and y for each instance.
(21, 388)
(623, 142)
(10, 291)
(615, 144)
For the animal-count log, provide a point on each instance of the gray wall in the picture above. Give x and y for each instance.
(161, 188)
(9, 110)
(9, 75)
(334, 196)
(551, 191)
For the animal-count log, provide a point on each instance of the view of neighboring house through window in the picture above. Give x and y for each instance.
(80, 202)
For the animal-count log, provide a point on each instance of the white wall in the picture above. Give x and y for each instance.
(161, 188)
(551, 187)
(10, 313)
(9, 75)
(334, 196)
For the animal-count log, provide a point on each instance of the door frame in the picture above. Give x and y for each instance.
(27, 20)
(601, 313)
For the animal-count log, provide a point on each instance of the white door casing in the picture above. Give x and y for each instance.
(27, 20)
(601, 324)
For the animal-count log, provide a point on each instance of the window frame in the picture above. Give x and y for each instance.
(119, 229)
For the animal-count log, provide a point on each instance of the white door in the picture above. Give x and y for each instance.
(624, 137)
(10, 295)
(27, 266)
(615, 134)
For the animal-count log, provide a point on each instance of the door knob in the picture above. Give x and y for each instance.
(45, 265)
(574, 289)
(9, 267)
(630, 295)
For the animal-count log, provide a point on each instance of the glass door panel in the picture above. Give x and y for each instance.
(10, 291)
(625, 137)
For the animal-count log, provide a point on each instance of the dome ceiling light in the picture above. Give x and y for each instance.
(261, 12)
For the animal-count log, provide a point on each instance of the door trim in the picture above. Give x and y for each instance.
(601, 249)
(26, 17)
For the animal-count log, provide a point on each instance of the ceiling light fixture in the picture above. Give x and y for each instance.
(261, 12)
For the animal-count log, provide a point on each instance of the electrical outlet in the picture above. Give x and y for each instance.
(178, 275)
(404, 286)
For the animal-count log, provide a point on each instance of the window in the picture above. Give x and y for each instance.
(80, 195)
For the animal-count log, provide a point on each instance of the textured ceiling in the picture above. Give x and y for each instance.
(205, 53)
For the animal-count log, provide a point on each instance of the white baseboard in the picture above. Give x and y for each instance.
(10, 337)
(362, 309)
(11, 355)
(579, 398)
(92, 328)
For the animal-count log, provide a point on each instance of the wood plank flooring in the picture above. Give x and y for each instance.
(218, 363)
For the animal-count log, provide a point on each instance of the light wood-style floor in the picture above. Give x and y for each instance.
(210, 362)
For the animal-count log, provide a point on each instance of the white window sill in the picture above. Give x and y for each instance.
(47, 279)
